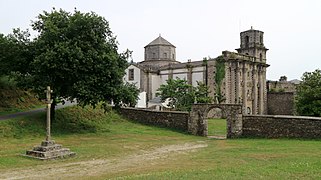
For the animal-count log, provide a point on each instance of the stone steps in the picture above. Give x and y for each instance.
(49, 150)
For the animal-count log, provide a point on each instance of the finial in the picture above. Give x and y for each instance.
(251, 27)
(159, 34)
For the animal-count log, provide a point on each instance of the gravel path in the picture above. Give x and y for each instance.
(99, 167)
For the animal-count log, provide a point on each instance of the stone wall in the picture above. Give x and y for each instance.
(170, 119)
(280, 103)
(281, 126)
(197, 124)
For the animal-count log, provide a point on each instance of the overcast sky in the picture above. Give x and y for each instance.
(198, 28)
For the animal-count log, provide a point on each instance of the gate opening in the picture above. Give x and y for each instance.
(216, 124)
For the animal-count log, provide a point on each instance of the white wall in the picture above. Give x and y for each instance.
(181, 76)
(198, 69)
(164, 78)
(136, 80)
(197, 77)
(141, 102)
(156, 82)
(180, 70)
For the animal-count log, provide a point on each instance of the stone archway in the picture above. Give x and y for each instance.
(197, 124)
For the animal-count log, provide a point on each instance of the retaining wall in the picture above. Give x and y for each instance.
(171, 119)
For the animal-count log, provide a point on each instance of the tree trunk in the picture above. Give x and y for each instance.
(52, 111)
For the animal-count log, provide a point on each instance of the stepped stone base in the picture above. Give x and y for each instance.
(49, 150)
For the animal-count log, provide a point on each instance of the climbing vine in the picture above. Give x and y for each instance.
(219, 76)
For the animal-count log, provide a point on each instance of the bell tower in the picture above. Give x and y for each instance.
(252, 44)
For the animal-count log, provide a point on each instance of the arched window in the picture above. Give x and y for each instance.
(248, 110)
(247, 41)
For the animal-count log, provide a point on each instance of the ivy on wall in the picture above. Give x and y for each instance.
(219, 76)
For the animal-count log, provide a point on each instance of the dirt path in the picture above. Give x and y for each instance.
(76, 170)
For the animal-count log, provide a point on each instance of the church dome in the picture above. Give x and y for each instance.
(160, 41)
(159, 53)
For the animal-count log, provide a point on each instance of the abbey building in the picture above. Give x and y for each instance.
(244, 81)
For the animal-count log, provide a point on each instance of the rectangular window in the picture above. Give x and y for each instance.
(130, 74)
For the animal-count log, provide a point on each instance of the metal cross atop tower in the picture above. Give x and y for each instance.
(49, 101)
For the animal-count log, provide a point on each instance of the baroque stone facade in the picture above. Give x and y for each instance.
(245, 72)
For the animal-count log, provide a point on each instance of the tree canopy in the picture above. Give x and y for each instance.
(15, 50)
(74, 53)
(184, 94)
(308, 99)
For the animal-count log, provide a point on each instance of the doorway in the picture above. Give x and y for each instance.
(216, 124)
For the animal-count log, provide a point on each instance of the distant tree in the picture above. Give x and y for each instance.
(182, 93)
(308, 99)
(202, 93)
(76, 54)
(128, 95)
(3, 58)
(15, 50)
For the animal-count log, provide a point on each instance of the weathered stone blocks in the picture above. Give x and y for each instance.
(49, 150)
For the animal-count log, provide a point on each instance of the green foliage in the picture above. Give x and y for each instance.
(219, 76)
(7, 83)
(68, 120)
(15, 50)
(202, 93)
(205, 61)
(74, 53)
(22, 127)
(277, 90)
(79, 120)
(14, 99)
(180, 91)
(128, 94)
(308, 99)
(183, 94)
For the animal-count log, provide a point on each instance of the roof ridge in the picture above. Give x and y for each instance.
(160, 41)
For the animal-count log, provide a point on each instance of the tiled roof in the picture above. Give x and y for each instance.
(160, 41)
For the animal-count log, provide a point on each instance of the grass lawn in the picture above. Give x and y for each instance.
(109, 147)
(216, 127)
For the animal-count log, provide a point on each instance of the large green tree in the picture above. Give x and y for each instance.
(202, 93)
(308, 99)
(183, 95)
(77, 55)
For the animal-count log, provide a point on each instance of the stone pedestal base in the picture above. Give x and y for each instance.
(49, 150)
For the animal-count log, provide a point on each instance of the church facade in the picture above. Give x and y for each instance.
(244, 81)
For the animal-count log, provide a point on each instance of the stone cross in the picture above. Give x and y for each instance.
(48, 101)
